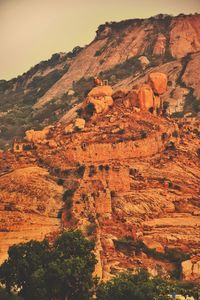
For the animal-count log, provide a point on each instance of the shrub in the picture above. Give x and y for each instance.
(143, 134)
(113, 194)
(90, 109)
(91, 228)
(175, 133)
(164, 136)
(69, 216)
(68, 203)
(68, 194)
(60, 181)
(101, 167)
(107, 168)
(92, 171)
(80, 171)
(198, 152)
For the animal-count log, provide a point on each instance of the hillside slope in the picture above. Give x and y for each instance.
(129, 179)
(121, 53)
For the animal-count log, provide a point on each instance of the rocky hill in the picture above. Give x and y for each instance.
(123, 53)
(118, 168)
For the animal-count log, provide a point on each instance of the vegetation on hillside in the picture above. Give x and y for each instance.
(40, 270)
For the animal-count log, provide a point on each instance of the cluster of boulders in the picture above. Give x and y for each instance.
(38, 136)
(146, 97)
(101, 98)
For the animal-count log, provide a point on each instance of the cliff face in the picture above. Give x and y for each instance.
(30, 202)
(115, 44)
(127, 177)
(122, 53)
(123, 173)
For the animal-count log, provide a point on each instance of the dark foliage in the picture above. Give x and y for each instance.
(37, 270)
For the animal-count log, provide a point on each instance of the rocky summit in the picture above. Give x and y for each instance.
(124, 54)
(122, 164)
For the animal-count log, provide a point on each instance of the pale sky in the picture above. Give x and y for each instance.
(32, 30)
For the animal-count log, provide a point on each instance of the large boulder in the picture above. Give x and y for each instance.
(79, 123)
(101, 91)
(145, 97)
(101, 98)
(37, 136)
(158, 82)
(191, 269)
(131, 100)
(144, 61)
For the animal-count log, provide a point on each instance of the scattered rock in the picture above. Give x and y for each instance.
(144, 61)
(79, 123)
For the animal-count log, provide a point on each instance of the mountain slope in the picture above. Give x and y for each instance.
(46, 92)
(125, 174)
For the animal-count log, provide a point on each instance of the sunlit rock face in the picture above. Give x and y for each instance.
(129, 169)
(30, 202)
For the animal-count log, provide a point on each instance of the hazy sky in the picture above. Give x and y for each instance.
(32, 30)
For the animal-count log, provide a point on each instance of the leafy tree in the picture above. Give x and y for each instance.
(42, 271)
(141, 287)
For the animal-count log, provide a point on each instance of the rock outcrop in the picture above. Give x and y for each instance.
(100, 55)
(38, 136)
(30, 204)
(101, 98)
(129, 173)
(160, 45)
(191, 269)
(145, 97)
(158, 82)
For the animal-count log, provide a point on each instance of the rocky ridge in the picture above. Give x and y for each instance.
(129, 178)
(123, 53)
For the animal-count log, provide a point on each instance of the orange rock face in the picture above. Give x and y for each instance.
(158, 82)
(185, 35)
(29, 205)
(101, 98)
(101, 91)
(145, 97)
(159, 48)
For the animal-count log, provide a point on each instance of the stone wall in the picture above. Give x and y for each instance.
(103, 152)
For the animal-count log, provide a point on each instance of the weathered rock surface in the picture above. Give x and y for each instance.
(30, 202)
(101, 98)
(145, 97)
(38, 136)
(191, 269)
(137, 37)
(133, 173)
(185, 35)
(158, 82)
(160, 45)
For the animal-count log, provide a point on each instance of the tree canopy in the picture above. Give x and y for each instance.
(38, 270)
(140, 286)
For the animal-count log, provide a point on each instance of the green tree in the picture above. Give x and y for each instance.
(127, 287)
(47, 272)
